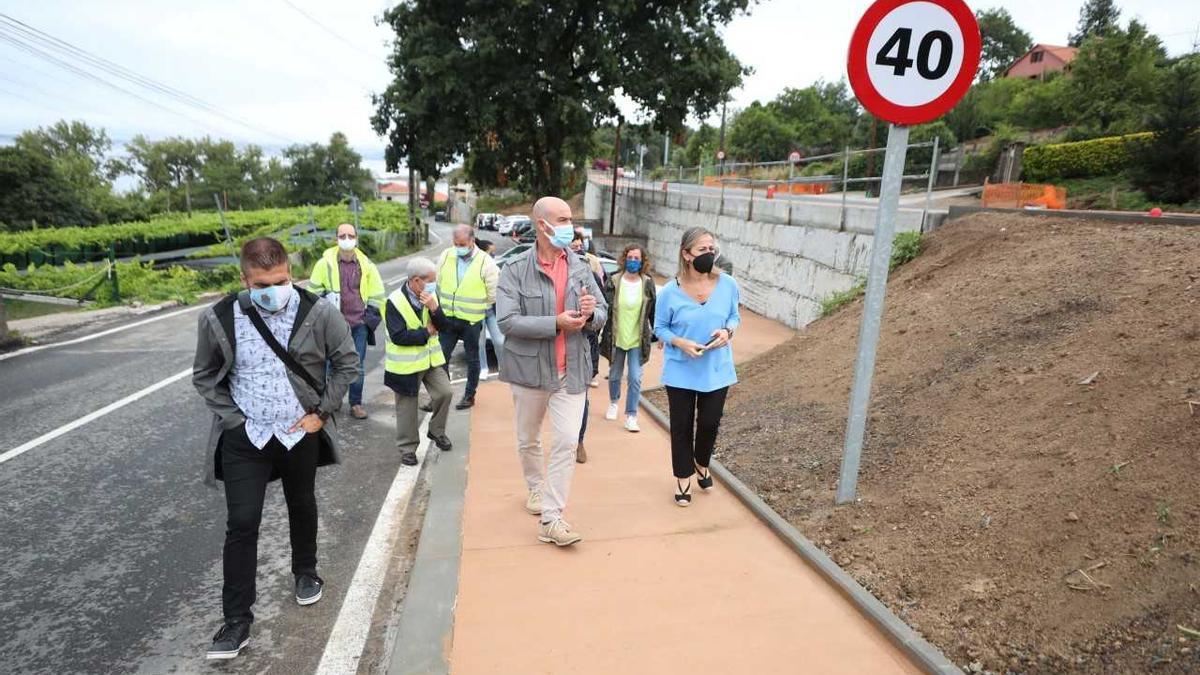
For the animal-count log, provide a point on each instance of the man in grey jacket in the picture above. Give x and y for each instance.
(545, 299)
(271, 419)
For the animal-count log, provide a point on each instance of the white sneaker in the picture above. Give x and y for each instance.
(534, 503)
(484, 374)
(631, 424)
(611, 414)
(558, 533)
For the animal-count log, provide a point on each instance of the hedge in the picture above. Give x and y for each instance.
(60, 245)
(1084, 159)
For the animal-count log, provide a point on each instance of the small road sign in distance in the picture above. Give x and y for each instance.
(911, 61)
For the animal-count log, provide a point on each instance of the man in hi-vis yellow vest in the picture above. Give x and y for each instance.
(346, 277)
(413, 321)
(467, 279)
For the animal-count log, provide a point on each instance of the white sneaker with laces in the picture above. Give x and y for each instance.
(558, 533)
(484, 374)
(611, 414)
(631, 424)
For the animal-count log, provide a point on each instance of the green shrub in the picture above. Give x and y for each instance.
(906, 247)
(1084, 159)
(831, 304)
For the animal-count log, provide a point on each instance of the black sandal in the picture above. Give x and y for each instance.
(683, 495)
(703, 478)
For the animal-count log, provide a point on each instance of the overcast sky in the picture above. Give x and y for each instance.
(297, 70)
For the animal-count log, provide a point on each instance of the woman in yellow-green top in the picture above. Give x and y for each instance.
(630, 330)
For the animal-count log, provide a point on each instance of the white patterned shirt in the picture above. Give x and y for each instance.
(259, 381)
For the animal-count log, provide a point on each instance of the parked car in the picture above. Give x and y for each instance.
(487, 221)
(440, 216)
(505, 227)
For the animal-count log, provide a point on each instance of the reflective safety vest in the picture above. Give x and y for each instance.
(403, 360)
(326, 276)
(467, 301)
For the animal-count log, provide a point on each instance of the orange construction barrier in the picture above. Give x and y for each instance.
(770, 192)
(1021, 195)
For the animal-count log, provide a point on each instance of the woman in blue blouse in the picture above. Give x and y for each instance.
(696, 316)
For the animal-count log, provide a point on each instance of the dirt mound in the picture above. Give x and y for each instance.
(1030, 490)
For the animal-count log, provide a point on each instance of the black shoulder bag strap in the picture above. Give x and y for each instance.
(288, 360)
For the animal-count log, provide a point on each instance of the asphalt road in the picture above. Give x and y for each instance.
(112, 544)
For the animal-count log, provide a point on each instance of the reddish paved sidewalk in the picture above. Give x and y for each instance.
(653, 587)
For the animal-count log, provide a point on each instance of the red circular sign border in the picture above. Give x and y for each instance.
(870, 97)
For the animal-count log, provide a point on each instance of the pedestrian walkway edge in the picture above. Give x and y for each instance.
(426, 627)
(925, 655)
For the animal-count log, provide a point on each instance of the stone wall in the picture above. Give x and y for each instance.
(787, 256)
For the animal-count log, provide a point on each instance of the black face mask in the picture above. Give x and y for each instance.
(704, 263)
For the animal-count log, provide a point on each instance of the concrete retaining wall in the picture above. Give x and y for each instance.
(788, 256)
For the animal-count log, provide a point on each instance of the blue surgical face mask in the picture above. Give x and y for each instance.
(431, 287)
(634, 266)
(272, 298)
(463, 251)
(563, 235)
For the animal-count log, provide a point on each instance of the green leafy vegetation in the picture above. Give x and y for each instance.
(1097, 157)
(905, 248)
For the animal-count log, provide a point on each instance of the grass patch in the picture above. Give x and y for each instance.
(24, 309)
(493, 204)
(1114, 193)
(905, 248)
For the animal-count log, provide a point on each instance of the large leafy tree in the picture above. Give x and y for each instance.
(820, 117)
(325, 174)
(702, 146)
(1113, 78)
(1003, 42)
(520, 84)
(758, 134)
(1168, 167)
(33, 191)
(80, 155)
(167, 167)
(1097, 18)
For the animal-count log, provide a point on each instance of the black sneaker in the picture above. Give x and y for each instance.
(442, 442)
(408, 459)
(466, 402)
(229, 641)
(308, 589)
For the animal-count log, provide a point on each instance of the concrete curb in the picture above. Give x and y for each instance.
(1128, 217)
(925, 655)
(426, 628)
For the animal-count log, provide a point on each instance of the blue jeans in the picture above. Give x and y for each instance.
(493, 328)
(619, 358)
(359, 333)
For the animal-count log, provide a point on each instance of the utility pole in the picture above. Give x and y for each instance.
(612, 208)
(721, 172)
(666, 150)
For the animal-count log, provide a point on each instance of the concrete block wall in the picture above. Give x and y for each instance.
(787, 257)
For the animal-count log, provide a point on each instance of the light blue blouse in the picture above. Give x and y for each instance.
(676, 314)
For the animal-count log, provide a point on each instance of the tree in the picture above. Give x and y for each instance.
(1003, 42)
(757, 134)
(33, 191)
(520, 84)
(1168, 167)
(165, 166)
(80, 154)
(320, 174)
(702, 146)
(1097, 18)
(1112, 79)
(820, 117)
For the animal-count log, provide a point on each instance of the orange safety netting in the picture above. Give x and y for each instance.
(1021, 195)
(795, 188)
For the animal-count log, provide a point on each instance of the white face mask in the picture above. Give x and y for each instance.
(348, 244)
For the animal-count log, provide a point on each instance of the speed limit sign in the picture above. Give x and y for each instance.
(911, 61)
(795, 157)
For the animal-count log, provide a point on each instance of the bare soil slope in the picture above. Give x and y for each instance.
(1020, 510)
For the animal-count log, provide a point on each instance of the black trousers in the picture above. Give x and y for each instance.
(247, 470)
(695, 418)
(470, 336)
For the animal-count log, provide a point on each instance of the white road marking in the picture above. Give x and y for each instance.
(345, 646)
(118, 329)
(51, 435)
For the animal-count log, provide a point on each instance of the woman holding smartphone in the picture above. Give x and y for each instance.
(696, 316)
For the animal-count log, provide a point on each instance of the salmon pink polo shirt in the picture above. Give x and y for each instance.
(557, 271)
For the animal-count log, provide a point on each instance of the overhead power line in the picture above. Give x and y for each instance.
(16, 31)
(337, 36)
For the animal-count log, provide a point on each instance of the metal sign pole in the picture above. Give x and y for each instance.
(868, 335)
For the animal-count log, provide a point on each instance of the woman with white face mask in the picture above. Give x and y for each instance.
(696, 317)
